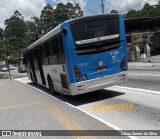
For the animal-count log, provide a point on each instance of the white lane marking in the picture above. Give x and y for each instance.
(87, 113)
(138, 89)
(144, 75)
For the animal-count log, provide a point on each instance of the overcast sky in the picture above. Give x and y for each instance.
(29, 8)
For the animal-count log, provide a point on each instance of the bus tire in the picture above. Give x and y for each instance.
(51, 87)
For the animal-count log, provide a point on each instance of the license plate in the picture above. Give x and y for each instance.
(101, 69)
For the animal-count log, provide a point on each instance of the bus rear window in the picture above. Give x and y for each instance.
(95, 30)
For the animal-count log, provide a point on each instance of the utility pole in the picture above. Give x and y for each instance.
(102, 6)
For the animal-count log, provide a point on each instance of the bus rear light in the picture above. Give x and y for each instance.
(77, 73)
(123, 63)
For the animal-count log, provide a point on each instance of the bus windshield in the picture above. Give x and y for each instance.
(95, 30)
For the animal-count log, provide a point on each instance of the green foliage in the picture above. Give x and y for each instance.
(19, 33)
(114, 11)
(50, 17)
(3, 76)
(47, 19)
(15, 25)
(1, 33)
(147, 11)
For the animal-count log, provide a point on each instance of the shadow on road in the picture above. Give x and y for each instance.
(83, 98)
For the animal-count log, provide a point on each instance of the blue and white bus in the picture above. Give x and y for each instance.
(80, 55)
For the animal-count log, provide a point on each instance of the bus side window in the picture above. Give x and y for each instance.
(40, 51)
(29, 62)
(50, 47)
(45, 53)
(54, 46)
(60, 50)
(35, 59)
(55, 50)
(46, 49)
(52, 52)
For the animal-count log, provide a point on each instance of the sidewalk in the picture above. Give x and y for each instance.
(23, 107)
(143, 64)
(153, 61)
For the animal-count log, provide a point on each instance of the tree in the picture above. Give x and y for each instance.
(146, 6)
(14, 32)
(2, 54)
(15, 25)
(22, 33)
(37, 22)
(50, 17)
(30, 35)
(47, 18)
(65, 12)
(1, 33)
(113, 11)
(61, 13)
(77, 11)
(147, 11)
(132, 14)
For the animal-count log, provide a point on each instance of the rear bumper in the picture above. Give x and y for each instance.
(98, 83)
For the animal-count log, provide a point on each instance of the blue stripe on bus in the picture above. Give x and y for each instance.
(68, 59)
(123, 37)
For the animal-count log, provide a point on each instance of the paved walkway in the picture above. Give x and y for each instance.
(143, 64)
(26, 108)
(153, 61)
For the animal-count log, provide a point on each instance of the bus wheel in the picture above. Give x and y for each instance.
(51, 87)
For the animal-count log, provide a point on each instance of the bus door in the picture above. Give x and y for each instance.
(59, 71)
(61, 63)
(33, 75)
(35, 61)
(39, 68)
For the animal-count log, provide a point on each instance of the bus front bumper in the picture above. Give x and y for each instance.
(98, 83)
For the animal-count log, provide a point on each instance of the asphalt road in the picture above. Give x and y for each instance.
(145, 112)
(14, 74)
(144, 78)
(138, 77)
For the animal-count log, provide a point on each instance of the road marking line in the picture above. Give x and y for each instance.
(87, 113)
(144, 75)
(138, 89)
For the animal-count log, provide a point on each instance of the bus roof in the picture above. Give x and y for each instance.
(85, 18)
(57, 29)
(54, 31)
